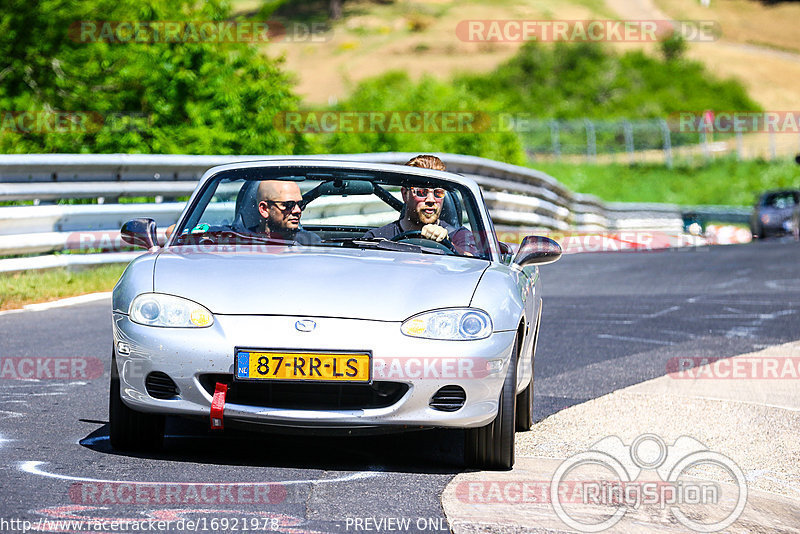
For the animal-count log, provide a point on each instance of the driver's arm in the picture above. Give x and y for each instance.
(434, 232)
(462, 239)
(464, 242)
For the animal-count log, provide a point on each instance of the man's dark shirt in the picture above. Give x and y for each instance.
(462, 239)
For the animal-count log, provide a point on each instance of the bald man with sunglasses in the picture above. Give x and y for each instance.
(280, 206)
(423, 206)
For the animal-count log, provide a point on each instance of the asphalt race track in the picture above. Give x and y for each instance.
(610, 320)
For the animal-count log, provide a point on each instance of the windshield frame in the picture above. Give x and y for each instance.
(380, 174)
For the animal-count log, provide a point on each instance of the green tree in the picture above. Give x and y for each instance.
(673, 47)
(151, 97)
(396, 92)
(576, 80)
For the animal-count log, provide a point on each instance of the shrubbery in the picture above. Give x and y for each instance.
(396, 92)
(191, 97)
(223, 98)
(563, 81)
(722, 181)
(566, 81)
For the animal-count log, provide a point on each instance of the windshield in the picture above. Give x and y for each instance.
(782, 200)
(336, 208)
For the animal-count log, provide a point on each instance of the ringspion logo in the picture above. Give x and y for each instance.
(679, 491)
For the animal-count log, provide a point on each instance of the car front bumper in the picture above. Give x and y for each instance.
(193, 356)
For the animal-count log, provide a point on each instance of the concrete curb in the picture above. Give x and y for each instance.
(746, 408)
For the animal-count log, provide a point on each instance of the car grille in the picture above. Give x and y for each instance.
(160, 386)
(448, 399)
(307, 396)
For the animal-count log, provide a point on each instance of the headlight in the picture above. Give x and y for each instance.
(155, 309)
(452, 324)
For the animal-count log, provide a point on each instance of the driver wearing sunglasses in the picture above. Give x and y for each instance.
(280, 206)
(423, 206)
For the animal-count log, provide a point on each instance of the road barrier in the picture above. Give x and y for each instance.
(516, 196)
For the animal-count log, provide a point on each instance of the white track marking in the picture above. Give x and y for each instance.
(679, 333)
(755, 474)
(624, 338)
(54, 393)
(32, 467)
(791, 283)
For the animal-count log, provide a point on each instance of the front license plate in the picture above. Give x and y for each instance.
(320, 366)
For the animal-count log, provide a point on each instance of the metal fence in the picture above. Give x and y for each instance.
(646, 141)
(518, 198)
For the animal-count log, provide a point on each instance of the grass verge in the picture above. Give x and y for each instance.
(19, 289)
(726, 182)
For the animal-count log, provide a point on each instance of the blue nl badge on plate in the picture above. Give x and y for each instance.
(243, 365)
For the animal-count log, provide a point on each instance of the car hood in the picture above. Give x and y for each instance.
(358, 284)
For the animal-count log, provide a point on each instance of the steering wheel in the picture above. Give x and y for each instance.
(414, 237)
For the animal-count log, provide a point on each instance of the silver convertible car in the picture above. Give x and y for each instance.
(342, 323)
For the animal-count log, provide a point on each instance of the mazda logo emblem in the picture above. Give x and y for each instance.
(305, 325)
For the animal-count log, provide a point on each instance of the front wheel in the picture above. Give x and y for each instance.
(492, 446)
(525, 399)
(525, 409)
(131, 430)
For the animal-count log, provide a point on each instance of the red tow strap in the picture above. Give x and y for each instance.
(218, 406)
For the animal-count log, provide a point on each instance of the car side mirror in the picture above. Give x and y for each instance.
(537, 250)
(140, 233)
(506, 252)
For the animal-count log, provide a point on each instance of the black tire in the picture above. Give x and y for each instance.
(492, 446)
(525, 399)
(131, 430)
(525, 409)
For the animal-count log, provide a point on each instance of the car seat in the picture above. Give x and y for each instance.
(247, 216)
(451, 210)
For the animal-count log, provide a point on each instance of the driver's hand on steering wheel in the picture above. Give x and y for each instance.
(434, 232)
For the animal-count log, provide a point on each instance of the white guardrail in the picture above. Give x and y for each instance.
(517, 197)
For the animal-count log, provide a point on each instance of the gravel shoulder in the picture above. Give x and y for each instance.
(746, 408)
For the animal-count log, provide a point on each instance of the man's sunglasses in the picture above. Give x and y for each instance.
(286, 205)
(423, 192)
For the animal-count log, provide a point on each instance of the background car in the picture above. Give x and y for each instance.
(772, 213)
(348, 333)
